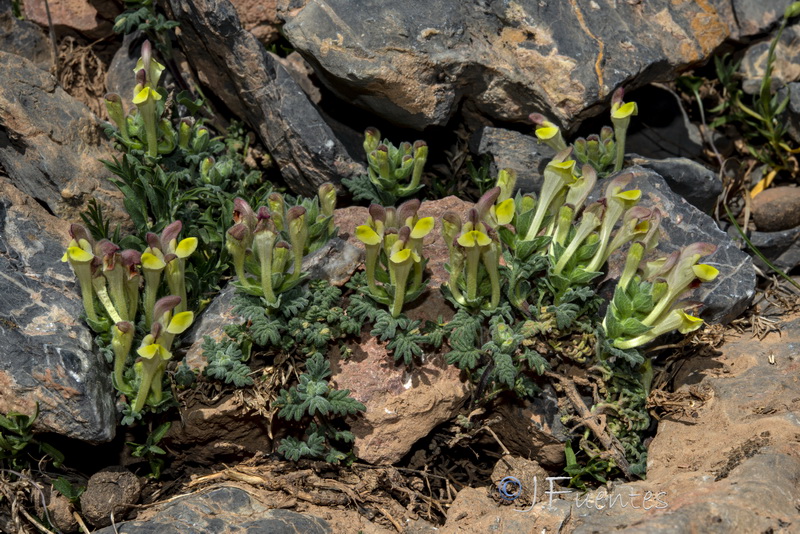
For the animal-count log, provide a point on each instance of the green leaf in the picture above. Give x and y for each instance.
(318, 368)
(565, 315)
(536, 361)
(622, 303)
(504, 369)
(632, 327)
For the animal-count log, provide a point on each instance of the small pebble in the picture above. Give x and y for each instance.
(777, 209)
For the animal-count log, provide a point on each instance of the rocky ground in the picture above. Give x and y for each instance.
(725, 455)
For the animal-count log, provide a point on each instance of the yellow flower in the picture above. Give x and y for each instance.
(152, 262)
(705, 272)
(186, 247)
(504, 211)
(689, 323)
(367, 235)
(422, 228)
(474, 238)
(546, 131)
(624, 111)
(403, 255)
(145, 95)
(152, 350)
(630, 196)
(180, 322)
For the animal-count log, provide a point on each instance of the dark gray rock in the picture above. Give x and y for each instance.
(221, 510)
(697, 184)
(50, 143)
(780, 248)
(662, 129)
(46, 355)
(24, 38)
(119, 76)
(414, 63)
(792, 115)
(513, 150)
(683, 224)
(258, 89)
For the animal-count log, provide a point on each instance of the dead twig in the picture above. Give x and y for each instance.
(590, 420)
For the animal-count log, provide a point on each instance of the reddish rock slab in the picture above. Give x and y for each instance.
(260, 18)
(403, 405)
(94, 19)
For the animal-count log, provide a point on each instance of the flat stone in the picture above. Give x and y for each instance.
(47, 355)
(695, 183)
(220, 510)
(403, 404)
(237, 69)
(781, 248)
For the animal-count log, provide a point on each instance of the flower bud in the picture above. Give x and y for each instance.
(185, 131)
(243, 213)
(506, 180)
(407, 212)
(277, 207)
(201, 140)
(372, 138)
(327, 198)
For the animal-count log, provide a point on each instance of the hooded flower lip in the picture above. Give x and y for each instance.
(625, 111)
(78, 254)
(152, 262)
(487, 201)
(629, 196)
(146, 94)
(403, 255)
(504, 211)
(180, 322)
(367, 235)
(548, 130)
(186, 247)
(705, 272)
(243, 213)
(422, 228)
(473, 238)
